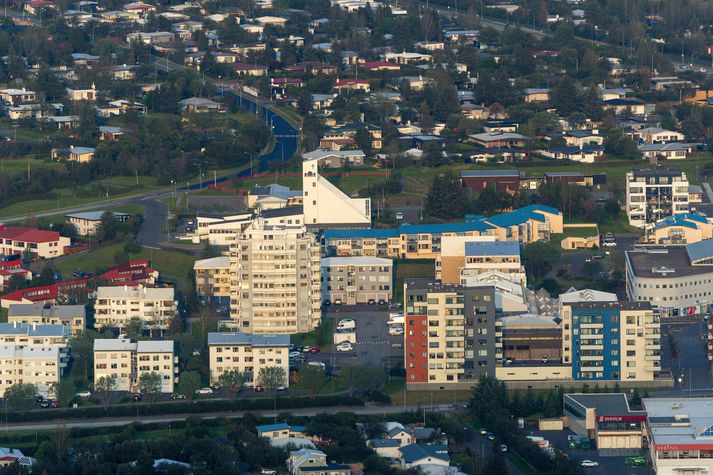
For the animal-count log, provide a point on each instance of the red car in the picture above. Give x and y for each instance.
(259, 389)
(314, 351)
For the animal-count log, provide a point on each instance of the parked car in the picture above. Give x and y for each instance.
(345, 346)
(306, 349)
(382, 302)
(396, 331)
(395, 315)
(203, 391)
(84, 394)
(294, 354)
(178, 396)
(491, 436)
(371, 302)
(137, 397)
(346, 324)
(482, 432)
(314, 351)
(589, 464)
(546, 359)
(503, 448)
(399, 216)
(259, 389)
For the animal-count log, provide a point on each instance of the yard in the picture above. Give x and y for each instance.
(404, 269)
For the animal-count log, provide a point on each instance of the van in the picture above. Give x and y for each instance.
(319, 364)
(346, 324)
(396, 320)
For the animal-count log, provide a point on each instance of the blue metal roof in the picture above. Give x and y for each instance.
(681, 219)
(382, 443)
(459, 227)
(700, 250)
(272, 427)
(415, 452)
(239, 338)
(492, 248)
(521, 215)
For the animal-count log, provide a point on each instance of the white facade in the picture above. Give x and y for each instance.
(325, 205)
(355, 280)
(115, 306)
(127, 361)
(247, 354)
(30, 365)
(653, 194)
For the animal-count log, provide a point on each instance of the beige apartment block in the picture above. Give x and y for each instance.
(73, 317)
(465, 257)
(115, 306)
(30, 365)
(247, 353)
(355, 280)
(127, 361)
(213, 278)
(276, 280)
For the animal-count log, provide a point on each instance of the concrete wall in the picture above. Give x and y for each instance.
(549, 384)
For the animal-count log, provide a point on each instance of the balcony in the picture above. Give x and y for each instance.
(592, 358)
(591, 368)
(652, 346)
(652, 357)
(591, 347)
(652, 368)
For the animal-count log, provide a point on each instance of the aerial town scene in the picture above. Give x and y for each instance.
(346, 237)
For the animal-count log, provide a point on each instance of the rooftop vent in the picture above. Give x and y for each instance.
(663, 270)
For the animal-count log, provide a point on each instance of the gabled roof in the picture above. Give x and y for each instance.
(700, 250)
(415, 452)
(383, 443)
(522, 215)
(19, 233)
(688, 220)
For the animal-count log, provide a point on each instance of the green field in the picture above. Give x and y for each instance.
(172, 265)
(19, 165)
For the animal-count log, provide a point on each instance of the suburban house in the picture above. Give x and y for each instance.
(314, 462)
(498, 139)
(8, 269)
(415, 455)
(668, 151)
(82, 94)
(336, 159)
(200, 105)
(39, 243)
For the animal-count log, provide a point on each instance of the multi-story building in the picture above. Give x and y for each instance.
(36, 365)
(423, 241)
(678, 229)
(88, 222)
(23, 335)
(72, 317)
(655, 193)
(41, 244)
(611, 341)
(451, 333)
(213, 279)
(276, 280)
(327, 206)
(62, 292)
(127, 361)
(354, 280)
(680, 433)
(676, 280)
(247, 353)
(115, 306)
(468, 258)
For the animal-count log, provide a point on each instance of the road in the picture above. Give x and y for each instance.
(114, 422)
(479, 444)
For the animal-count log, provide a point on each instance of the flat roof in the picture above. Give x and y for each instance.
(154, 346)
(33, 309)
(615, 404)
(240, 338)
(623, 305)
(680, 421)
(492, 248)
(114, 344)
(356, 261)
(212, 262)
(664, 264)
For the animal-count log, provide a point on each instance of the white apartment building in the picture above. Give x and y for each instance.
(326, 206)
(73, 317)
(115, 306)
(655, 193)
(463, 258)
(127, 361)
(276, 280)
(357, 279)
(247, 353)
(30, 365)
(213, 279)
(24, 335)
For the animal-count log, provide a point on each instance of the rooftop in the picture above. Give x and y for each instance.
(239, 338)
(356, 261)
(615, 404)
(680, 421)
(492, 248)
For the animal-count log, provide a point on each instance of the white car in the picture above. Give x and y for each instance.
(294, 354)
(84, 394)
(395, 315)
(399, 216)
(345, 346)
(204, 391)
(395, 331)
(589, 464)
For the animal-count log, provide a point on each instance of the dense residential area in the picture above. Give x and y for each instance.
(350, 237)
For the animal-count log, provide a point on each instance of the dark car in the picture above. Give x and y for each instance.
(137, 397)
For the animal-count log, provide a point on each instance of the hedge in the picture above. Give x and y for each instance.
(187, 407)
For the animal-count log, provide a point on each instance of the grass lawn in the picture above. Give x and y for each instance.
(406, 268)
(395, 390)
(19, 165)
(172, 265)
(320, 337)
(331, 385)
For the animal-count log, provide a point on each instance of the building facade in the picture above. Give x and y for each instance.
(126, 361)
(247, 354)
(213, 279)
(39, 243)
(355, 280)
(478, 257)
(115, 306)
(36, 365)
(451, 333)
(276, 280)
(655, 193)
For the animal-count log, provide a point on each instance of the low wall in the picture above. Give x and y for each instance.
(549, 384)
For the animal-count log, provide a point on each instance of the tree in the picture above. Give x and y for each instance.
(312, 377)
(564, 96)
(134, 329)
(108, 227)
(63, 392)
(150, 385)
(539, 257)
(445, 198)
(362, 139)
(104, 386)
(189, 383)
(367, 377)
(232, 381)
(21, 397)
(271, 377)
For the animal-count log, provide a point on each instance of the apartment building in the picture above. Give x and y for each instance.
(275, 285)
(678, 229)
(247, 353)
(655, 193)
(327, 206)
(87, 223)
(36, 365)
(423, 241)
(355, 280)
(611, 341)
(41, 244)
(213, 279)
(115, 306)
(127, 361)
(679, 432)
(677, 280)
(62, 292)
(221, 229)
(461, 259)
(72, 317)
(451, 333)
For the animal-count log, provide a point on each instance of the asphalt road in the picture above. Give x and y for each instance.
(691, 366)
(479, 444)
(111, 422)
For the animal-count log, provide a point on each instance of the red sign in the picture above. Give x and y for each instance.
(621, 418)
(668, 447)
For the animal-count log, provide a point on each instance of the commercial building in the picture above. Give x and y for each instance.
(40, 244)
(655, 193)
(451, 333)
(607, 419)
(680, 433)
(679, 281)
(326, 206)
(478, 257)
(678, 229)
(36, 365)
(72, 317)
(221, 229)
(247, 353)
(355, 280)
(275, 285)
(213, 279)
(336, 158)
(501, 180)
(126, 362)
(87, 223)
(115, 306)
(611, 341)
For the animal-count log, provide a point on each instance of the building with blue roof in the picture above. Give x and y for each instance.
(680, 228)
(247, 353)
(462, 260)
(422, 454)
